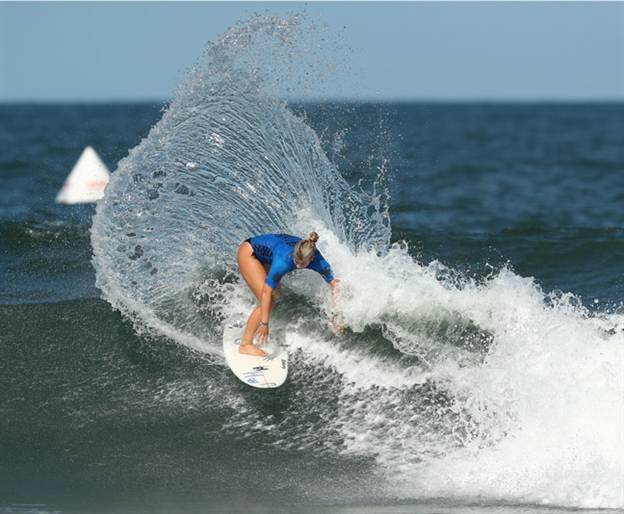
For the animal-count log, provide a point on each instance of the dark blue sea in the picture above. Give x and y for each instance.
(481, 365)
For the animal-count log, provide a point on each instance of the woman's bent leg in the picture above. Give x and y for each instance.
(252, 324)
(254, 274)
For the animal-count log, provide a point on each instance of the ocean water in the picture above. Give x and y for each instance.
(481, 251)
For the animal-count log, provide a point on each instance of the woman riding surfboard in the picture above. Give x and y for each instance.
(263, 260)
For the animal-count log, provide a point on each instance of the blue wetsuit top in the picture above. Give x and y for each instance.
(276, 250)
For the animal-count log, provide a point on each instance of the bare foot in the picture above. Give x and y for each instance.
(250, 349)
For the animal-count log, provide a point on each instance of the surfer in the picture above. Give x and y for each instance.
(263, 260)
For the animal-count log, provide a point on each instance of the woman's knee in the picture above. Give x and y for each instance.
(244, 251)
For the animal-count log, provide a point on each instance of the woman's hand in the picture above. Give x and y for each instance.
(335, 285)
(337, 322)
(262, 333)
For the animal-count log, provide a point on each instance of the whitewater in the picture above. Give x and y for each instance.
(471, 389)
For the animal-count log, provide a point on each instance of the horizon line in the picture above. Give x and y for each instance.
(363, 100)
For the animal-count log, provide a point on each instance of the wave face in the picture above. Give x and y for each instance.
(488, 390)
(500, 391)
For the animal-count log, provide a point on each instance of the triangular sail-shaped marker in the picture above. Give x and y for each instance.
(87, 180)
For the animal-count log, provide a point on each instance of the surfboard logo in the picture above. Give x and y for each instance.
(260, 368)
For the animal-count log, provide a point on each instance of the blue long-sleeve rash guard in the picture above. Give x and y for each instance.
(276, 250)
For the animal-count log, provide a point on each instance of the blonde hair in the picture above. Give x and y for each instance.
(305, 249)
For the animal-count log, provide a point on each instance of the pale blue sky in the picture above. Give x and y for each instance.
(485, 51)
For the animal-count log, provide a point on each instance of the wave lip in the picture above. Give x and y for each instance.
(226, 161)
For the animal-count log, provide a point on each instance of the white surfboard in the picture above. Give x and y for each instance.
(261, 372)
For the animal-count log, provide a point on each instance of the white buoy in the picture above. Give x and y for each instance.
(87, 180)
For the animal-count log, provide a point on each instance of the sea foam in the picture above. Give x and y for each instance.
(489, 389)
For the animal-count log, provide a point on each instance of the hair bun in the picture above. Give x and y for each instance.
(314, 237)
